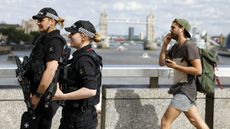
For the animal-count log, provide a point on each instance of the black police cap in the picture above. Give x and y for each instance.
(46, 12)
(85, 27)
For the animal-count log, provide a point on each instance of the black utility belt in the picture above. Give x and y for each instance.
(80, 109)
(77, 104)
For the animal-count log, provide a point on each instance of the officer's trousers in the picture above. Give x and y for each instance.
(43, 116)
(46, 113)
(79, 118)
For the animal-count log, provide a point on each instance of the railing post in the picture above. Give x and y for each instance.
(209, 110)
(153, 82)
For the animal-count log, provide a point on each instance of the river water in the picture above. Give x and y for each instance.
(122, 55)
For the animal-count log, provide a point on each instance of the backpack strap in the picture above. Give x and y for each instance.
(218, 81)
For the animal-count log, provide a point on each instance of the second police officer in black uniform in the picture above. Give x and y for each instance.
(81, 87)
(41, 67)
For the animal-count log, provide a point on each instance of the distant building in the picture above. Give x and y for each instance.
(131, 33)
(142, 36)
(198, 38)
(3, 38)
(29, 26)
(150, 44)
(103, 25)
(227, 42)
(221, 38)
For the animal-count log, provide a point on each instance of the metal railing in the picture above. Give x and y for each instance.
(153, 72)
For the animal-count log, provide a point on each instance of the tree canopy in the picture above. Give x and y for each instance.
(17, 36)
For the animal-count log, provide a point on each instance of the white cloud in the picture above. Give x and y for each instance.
(104, 7)
(130, 6)
(13, 1)
(119, 6)
(211, 13)
(49, 1)
(70, 19)
(180, 2)
(190, 1)
(133, 6)
(205, 12)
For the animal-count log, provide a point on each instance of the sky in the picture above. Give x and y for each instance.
(209, 15)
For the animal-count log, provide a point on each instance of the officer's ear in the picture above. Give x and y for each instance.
(52, 22)
(84, 37)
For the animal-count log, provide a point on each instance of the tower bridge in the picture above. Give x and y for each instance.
(149, 43)
(126, 21)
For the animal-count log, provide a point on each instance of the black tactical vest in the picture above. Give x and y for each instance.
(72, 81)
(36, 64)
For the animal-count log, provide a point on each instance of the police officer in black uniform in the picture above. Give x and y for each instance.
(81, 90)
(42, 64)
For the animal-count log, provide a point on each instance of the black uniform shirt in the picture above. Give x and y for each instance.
(48, 46)
(53, 47)
(86, 68)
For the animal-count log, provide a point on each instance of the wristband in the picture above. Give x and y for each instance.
(39, 95)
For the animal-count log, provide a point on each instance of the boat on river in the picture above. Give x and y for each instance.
(5, 49)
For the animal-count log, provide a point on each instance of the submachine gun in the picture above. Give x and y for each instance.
(28, 117)
(24, 83)
(51, 90)
(29, 120)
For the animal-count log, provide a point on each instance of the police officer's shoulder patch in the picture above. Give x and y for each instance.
(86, 70)
(81, 71)
(51, 49)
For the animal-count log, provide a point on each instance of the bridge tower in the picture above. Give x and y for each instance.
(103, 27)
(150, 39)
(149, 44)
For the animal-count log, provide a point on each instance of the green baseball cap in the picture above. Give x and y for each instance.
(184, 23)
